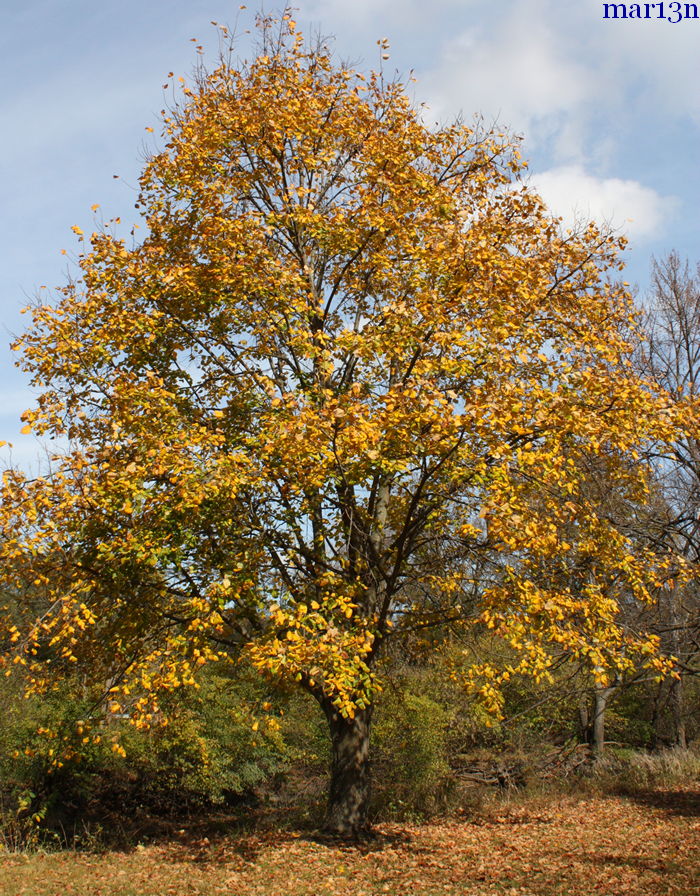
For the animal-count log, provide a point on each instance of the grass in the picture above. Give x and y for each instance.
(645, 844)
(628, 771)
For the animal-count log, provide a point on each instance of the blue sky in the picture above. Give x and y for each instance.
(610, 113)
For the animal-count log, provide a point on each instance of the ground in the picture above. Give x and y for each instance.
(642, 845)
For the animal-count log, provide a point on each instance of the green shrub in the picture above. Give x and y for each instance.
(61, 772)
(411, 769)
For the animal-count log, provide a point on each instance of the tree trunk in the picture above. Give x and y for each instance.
(584, 718)
(676, 693)
(677, 708)
(656, 714)
(602, 695)
(348, 798)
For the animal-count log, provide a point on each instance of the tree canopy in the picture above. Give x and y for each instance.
(349, 382)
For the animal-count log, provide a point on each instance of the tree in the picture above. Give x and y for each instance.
(670, 358)
(348, 347)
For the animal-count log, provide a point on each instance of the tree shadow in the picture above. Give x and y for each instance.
(683, 803)
(372, 840)
(241, 846)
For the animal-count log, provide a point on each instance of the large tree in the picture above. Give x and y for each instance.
(347, 383)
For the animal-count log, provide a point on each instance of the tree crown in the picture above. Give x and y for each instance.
(351, 381)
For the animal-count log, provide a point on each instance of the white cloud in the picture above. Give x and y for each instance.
(555, 71)
(518, 72)
(573, 194)
(654, 62)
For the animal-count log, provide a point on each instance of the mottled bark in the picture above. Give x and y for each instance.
(348, 798)
(602, 695)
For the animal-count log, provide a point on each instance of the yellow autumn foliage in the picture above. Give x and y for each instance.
(352, 362)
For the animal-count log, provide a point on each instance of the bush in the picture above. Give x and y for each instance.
(60, 773)
(411, 769)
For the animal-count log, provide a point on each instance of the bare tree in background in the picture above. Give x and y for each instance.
(671, 359)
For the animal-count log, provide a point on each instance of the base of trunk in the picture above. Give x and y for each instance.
(348, 798)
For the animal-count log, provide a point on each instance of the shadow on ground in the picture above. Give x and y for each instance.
(685, 803)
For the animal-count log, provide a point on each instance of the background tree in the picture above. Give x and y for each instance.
(345, 340)
(670, 357)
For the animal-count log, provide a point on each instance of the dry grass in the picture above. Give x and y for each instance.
(634, 770)
(646, 845)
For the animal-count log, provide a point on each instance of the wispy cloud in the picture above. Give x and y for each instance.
(521, 77)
